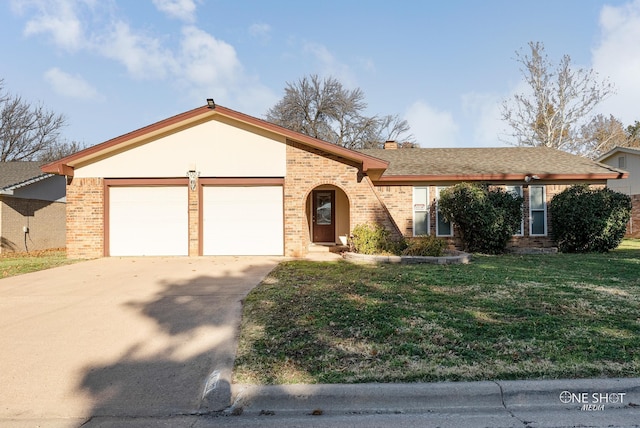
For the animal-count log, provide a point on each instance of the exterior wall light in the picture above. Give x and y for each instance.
(193, 178)
(210, 103)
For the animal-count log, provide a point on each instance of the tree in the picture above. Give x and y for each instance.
(603, 134)
(30, 132)
(559, 105)
(324, 109)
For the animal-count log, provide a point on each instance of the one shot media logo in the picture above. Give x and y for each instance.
(592, 401)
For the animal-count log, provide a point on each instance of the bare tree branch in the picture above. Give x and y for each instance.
(26, 131)
(324, 109)
(558, 105)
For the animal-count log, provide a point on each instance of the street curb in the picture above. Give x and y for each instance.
(507, 396)
(364, 398)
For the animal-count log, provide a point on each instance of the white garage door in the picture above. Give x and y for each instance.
(148, 221)
(242, 220)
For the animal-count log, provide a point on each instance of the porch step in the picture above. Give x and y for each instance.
(327, 248)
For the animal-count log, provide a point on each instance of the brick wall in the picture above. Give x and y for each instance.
(633, 227)
(399, 199)
(85, 218)
(45, 220)
(309, 168)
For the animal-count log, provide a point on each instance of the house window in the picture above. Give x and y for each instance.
(622, 162)
(516, 191)
(537, 211)
(443, 227)
(420, 211)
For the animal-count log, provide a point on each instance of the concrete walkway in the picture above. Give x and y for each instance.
(143, 337)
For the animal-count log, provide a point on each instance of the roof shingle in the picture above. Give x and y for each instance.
(12, 173)
(486, 161)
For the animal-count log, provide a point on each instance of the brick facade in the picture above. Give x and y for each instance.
(85, 218)
(399, 200)
(45, 221)
(309, 168)
(633, 227)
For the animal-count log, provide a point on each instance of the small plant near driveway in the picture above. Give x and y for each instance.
(500, 317)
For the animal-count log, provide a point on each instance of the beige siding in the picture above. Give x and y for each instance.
(213, 148)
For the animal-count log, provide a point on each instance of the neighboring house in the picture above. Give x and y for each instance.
(629, 160)
(213, 181)
(32, 208)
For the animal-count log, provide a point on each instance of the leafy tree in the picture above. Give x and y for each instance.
(634, 131)
(29, 132)
(486, 218)
(324, 109)
(603, 134)
(589, 220)
(559, 105)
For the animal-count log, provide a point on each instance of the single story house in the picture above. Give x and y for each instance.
(627, 158)
(32, 208)
(214, 181)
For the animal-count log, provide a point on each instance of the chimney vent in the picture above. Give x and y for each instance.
(390, 145)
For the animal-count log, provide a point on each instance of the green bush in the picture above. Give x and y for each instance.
(427, 246)
(485, 218)
(589, 220)
(374, 239)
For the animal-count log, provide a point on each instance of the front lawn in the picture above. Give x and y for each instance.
(18, 263)
(500, 317)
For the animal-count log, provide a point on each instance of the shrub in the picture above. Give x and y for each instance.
(485, 218)
(427, 246)
(374, 239)
(589, 220)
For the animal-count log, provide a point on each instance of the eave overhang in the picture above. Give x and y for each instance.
(398, 179)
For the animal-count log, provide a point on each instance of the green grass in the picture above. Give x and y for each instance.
(500, 317)
(18, 263)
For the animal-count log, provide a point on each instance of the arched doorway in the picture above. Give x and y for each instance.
(328, 215)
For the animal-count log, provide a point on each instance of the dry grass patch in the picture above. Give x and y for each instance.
(18, 263)
(500, 317)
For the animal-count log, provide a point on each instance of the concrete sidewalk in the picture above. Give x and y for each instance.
(527, 404)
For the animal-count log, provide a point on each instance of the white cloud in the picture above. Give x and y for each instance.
(199, 66)
(143, 56)
(207, 60)
(483, 115)
(260, 31)
(617, 56)
(72, 86)
(431, 127)
(330, 65)
(184, 10)
(59, 18)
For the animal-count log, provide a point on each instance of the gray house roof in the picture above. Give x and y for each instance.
(630, 150)
(490, 163)
(15, 174)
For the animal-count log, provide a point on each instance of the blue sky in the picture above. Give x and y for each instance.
(113, 66)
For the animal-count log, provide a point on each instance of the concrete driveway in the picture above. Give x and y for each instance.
(121, 337)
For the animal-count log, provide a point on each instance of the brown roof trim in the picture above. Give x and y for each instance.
(65, 165)
(497, 177)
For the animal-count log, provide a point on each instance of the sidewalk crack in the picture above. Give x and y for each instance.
(513, 415)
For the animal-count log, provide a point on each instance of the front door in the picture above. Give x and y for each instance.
(324, 224)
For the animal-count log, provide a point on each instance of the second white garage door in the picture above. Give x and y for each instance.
(242, 220)
(148, 221)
